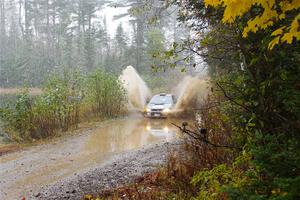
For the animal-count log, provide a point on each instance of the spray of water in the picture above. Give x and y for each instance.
(191, 93)
(137, 90)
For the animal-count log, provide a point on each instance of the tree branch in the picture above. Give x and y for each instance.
(203, 138)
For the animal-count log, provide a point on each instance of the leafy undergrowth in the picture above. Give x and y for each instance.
(174, 181)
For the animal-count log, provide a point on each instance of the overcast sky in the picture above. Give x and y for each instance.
(109, 11)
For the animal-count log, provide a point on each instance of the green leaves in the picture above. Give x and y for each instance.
(63, 103)
(104, 93)
(214, 182)
(169, 53)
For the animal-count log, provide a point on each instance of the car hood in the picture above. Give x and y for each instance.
(159, 106)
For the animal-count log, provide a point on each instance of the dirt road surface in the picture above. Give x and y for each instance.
(111, 154)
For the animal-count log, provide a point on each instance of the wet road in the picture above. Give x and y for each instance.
(26, 171)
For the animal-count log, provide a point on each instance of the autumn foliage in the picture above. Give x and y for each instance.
(268, 14)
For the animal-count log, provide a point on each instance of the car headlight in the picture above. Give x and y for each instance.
(166, 110)
(147, 109)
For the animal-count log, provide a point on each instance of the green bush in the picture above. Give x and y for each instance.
(105, 94)
(57, 107)
(63, 104)
(213, 183)
(18, 118)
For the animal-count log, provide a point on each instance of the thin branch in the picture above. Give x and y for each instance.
(231, 99)
(203, 139)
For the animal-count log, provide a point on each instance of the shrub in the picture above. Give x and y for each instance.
(212, 183)
(57, 107)
(63, 104)
(18, 118)
(105, 94)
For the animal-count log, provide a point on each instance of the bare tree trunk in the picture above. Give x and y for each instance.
(28, 44)
(139, 42)
(2, 30)
(27, 21)
(48, 28)
(2, 36)
(20, 19)
(36, 20)
(55, 38)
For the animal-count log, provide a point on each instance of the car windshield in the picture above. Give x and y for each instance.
(157, 99)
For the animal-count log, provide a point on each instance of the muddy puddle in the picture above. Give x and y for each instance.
(27, 171)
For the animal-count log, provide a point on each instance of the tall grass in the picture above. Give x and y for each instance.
(66, 101)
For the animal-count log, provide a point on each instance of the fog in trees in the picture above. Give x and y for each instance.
(41, 37)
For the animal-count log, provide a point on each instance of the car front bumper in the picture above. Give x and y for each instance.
(156, 114)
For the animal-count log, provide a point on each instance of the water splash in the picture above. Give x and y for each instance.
(191, 92)
(137, 90)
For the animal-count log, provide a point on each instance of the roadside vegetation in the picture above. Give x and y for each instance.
(247, 144)
(39, 38)
(66, 101)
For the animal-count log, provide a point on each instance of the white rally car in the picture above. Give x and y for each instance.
(160, 105)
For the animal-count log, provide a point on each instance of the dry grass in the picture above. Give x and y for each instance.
(8, 148)
(32, 91)
(161, 184)
(170, 182)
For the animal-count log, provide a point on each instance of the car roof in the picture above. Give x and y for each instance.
(163, 94)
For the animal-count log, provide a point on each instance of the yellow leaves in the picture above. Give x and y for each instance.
(274, 42)
(263, 21)
(281, 16)
(295, 24)
(251, 26)
(90, 197)
(234, 9)
(272, 13)
(286, 34)
(278, 192)
(278, 31)
(213, 3)
(287, 37)
(287, 5)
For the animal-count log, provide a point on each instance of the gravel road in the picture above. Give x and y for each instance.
(111, 153)
(124, 168)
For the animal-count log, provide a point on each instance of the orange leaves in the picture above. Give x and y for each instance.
(272, 13)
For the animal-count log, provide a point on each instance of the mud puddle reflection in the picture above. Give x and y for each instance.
(23, 173)
(126, 135)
